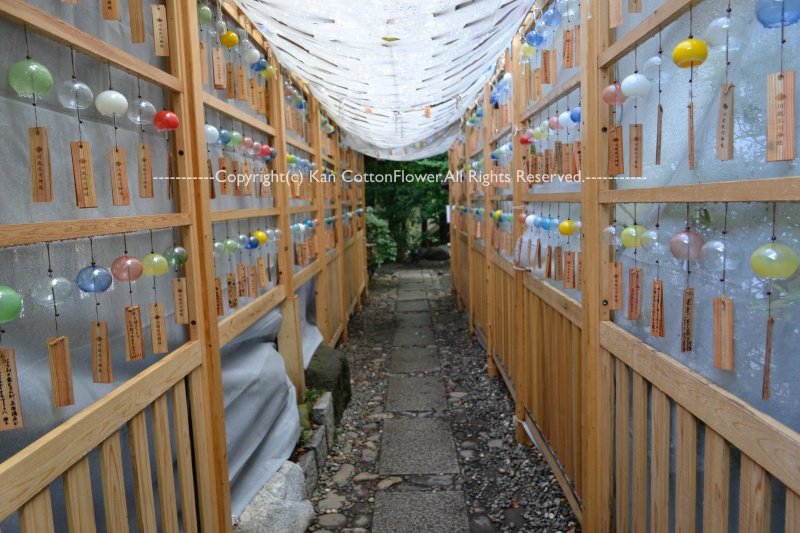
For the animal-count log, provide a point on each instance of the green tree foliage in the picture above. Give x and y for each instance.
(378, 235)
(415, 210)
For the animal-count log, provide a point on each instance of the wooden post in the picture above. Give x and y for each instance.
(597, 446)
(340, 238)
(206, 392)
(486, 128)
(321, 284)
(290, 342)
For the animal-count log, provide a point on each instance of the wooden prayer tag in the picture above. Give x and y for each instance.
(241, 83)
(160, 31)
(723, 333)
(180, 301)
(635, 140)
(687, 320)
(233, 293)
(262, 273)
(248, 186)
(136, 15)
(559, 259)
(548, 262)
(204, 74)
(577, 154)
(616, 152)
(218, 67)
(120, 195)
(767, 358)
(218, 296)
(537, 84)
(10, 406)
(224, 164)
(725, 123)
(212, 191)
(134, 336)
(110, 9)
(577, 45)
(158, 329)
(60, 371)
(538, 253)
(780, 116)
(690, 121)
(252, 96)
(580, 271)
(614, 13)
(634, 6)
(241, 275)
(231, 77)
(546, 67)
(615, 285)
(558, 153)
(252, 282)
(83, 175)
(634, 294)
(40, 168)
(568, 50)
(269, 270)
(261, 99)
(553, 67)
(569, 270)
(145, 171)
(659, 124)
(657, 309)
(102, 369)
(237, 187)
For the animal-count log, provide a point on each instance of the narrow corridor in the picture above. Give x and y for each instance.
(427, 442)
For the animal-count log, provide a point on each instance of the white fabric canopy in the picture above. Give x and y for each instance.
(374, 65)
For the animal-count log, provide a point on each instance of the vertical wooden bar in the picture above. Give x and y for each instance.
(183, 452)
(114, 502)
(755, 497)
(639, 521)
(622, 424)
(78, 498)
(164, 474)
(685, 472)
(659, 468)
(792, 517)
(36, 516)
(717, 466)
(142, 480)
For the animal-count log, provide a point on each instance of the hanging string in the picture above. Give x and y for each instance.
(139, 96)
(783, 35)
(77, 108)
(96, 302)
(28, 57)
(52, 288)
(152, 251)
(228, 236)
(688, 257)
(636, 98)
(660, 54)
(125, 252)
(724, 249)
(727, 56)
(113, 116)
(773, 238)
(658, 226)
(638, 237)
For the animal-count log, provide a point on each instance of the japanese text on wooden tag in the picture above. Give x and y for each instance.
(780, 116)
(134, 336)
(58, 354)
(83, 175)
(40, 168)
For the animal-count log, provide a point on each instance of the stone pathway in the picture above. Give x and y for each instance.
(405, 459)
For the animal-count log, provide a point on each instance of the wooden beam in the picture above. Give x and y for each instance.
(62, 230)
(237, 114)
(747, 190)
(567, 307)
(304, 276)
(561, 197)
(300, 145)
(290, 344)
(234, 324)
(556, 93)
(240, 214)
(62, 32)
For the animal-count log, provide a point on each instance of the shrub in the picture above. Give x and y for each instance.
(378, 234)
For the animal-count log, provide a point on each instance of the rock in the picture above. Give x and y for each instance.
(434, 253)
(481, 524)
(343, 474)
(319, 444)
(368, 455)
(361, 521)
(308, 463)
(333, 501)
(331, 521)
(330, 371)
(457, 395)
(322, 414)
(388, 482)
(365, 476)
(495, 443)
(280, 505)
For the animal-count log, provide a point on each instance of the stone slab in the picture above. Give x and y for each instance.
(412, 305)
(420, 512)
(415, 393)
(414, 359)
(418, 446)
(405, 295)
(405, 320)
(418, 336)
